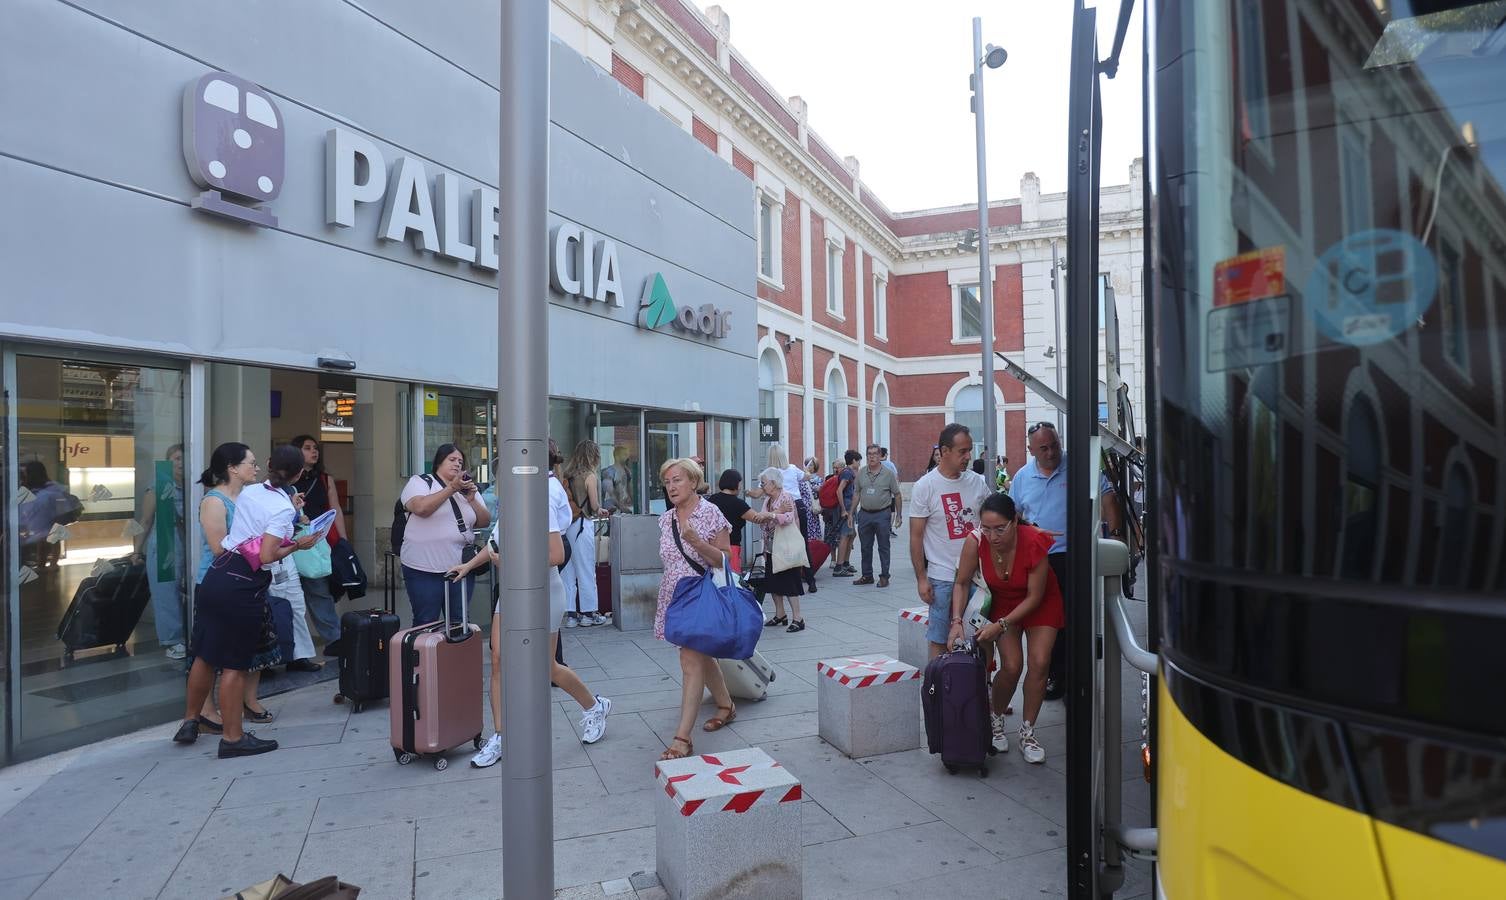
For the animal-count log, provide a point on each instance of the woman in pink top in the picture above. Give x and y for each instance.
(705, 537)
(781, 510)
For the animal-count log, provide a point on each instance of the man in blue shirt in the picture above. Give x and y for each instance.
(1039, 490)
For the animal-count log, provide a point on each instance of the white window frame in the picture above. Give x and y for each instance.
(1254, 80)
(1452, 283)
(880, 307)
(881, 414)
(1354, 181)
(957, 337)
(836, 256)
(763, 198)
(837, 435)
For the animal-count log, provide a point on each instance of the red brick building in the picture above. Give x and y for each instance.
(869, 318)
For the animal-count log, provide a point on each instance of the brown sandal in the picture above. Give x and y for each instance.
(717, 723)
(669, 752)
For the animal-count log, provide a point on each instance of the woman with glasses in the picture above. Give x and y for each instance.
(1026, 598)
(232, 467)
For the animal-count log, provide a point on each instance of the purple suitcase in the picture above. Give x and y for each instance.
(436, 687)
(954, 698)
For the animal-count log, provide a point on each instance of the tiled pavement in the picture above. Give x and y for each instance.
(141, 817)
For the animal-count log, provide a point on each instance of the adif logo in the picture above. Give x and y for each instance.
(658, 309)
(233, 142)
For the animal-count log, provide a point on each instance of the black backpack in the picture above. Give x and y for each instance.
(400, 519)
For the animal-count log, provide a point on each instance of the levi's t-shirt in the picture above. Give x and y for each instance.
(950, 508)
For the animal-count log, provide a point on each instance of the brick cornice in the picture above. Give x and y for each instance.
(651, 31)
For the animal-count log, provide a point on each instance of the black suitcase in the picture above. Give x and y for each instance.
(954, 699)
(365, 636)
(106, 608)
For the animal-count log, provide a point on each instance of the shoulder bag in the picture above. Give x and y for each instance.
(723, 621)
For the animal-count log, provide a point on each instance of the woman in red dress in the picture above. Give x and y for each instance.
(1026, 598)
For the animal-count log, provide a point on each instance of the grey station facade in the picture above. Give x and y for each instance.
(222, 223)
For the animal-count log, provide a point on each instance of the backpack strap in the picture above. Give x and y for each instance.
(454, 507)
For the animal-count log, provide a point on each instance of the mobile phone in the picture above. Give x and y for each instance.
(466, 476)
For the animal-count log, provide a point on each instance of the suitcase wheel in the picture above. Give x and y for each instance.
(403, 758)
(339, 698)
(441, 764)
(950, 769)
(476, 742)
(983, 771)
(357, 706)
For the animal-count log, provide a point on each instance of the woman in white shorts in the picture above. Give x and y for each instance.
(594, 709)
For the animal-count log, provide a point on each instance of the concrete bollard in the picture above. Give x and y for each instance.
(728, 825)
(868, 705)
(914, 649)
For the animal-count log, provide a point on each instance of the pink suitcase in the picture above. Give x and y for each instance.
(435, 677)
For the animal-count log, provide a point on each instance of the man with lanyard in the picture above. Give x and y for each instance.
(1039, 490)
(877, 491)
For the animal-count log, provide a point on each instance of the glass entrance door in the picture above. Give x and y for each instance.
(97, 575)
(668, 436)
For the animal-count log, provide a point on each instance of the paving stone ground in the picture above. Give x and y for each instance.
(140, 817)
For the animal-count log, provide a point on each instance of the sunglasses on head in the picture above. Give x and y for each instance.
(1038, 426)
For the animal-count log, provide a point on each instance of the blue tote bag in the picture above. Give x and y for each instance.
(723, 622)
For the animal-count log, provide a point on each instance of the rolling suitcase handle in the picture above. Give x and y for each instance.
(391, 564)
(465, 611)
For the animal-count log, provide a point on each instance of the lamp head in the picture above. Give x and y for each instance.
(994, 57)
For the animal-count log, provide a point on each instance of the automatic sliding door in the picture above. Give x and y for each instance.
(96, 506)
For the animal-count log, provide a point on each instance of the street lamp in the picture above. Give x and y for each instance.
(992, 57)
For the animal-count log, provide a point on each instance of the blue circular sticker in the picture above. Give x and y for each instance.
(1371, 286)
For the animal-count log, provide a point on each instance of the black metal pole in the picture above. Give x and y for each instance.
(1082, 462)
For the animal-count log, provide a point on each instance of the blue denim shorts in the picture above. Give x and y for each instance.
(941, 610)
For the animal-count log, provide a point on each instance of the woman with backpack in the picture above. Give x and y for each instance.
(582, 485)
(319, 495)
(441, 511)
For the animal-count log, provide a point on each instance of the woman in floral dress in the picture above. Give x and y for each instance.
(704, 536)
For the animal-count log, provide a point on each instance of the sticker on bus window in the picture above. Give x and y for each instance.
(1371, 286)
(1250, 276)
(1253, 333)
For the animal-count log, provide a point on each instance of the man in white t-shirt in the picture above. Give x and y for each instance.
(943, 512)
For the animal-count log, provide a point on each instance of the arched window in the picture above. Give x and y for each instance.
(770, 377)
(836, 416)
(1362, 439)
(881, 415)
(967, 409)
(1458, 515)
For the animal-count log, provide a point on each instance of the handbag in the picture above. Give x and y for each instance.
(250, 550)
(722, 621)
(788, 549)
(313, 562)
(603, 541)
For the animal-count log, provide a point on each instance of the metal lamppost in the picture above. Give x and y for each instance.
(992, 57)
(523, 391)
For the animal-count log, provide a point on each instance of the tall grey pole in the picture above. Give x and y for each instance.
(985, 272)
(1056, 317)
(523, 401)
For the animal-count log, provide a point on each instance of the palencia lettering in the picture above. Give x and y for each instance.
(356, 172)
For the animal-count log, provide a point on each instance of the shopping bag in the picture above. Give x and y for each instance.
(313, 562)
(719, 620)
(788, 551)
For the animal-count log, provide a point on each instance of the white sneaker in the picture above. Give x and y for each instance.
(571, 621)
(177, 651)
(595, 618)
(593, 722)
(1030, 748)
(490, 752)
(1001, 740)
